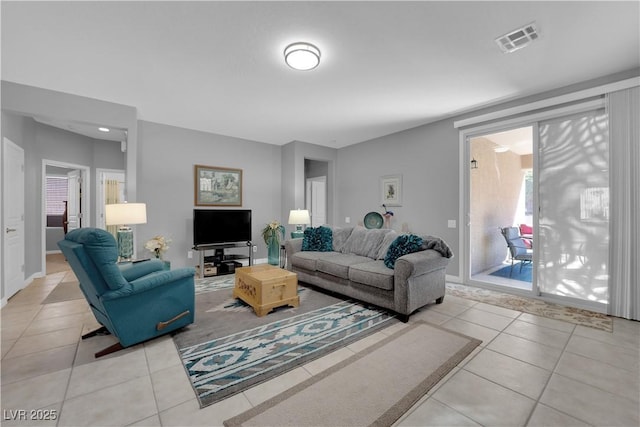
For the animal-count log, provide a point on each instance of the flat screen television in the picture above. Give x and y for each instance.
(215, 226)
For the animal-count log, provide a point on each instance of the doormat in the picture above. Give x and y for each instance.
(535, 306)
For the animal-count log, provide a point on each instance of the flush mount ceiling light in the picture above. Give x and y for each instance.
(302, 56)
(517, 39)
(102, 129)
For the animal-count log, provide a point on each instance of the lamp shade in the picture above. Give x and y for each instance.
(299, 217)
(126, 213)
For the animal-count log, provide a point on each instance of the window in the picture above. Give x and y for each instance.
(56, 197)
(528, 193)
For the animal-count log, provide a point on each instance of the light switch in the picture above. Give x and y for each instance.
(452, 223)
(347, 220)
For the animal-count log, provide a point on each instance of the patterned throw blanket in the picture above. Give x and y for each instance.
(437, 244)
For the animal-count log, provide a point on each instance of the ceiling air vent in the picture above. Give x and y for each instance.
(517, 39)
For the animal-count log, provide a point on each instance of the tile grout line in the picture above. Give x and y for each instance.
(546, 384)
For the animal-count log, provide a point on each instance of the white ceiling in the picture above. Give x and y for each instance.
(519, 140)
(92, 130)
(386, 66)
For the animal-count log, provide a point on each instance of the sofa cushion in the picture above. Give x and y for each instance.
(386, 242)
(365, 242)
(372, 273)
(404, 244)
(308, 260)
(340, 236)
(338, 264)
(318, 239)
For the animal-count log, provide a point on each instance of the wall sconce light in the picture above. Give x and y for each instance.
(474, 164)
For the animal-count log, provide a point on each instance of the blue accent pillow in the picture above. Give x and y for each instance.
(318, 239)
(403, 245)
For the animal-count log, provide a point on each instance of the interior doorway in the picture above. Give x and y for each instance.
(501, 208)
(78, 209)
(316, 172)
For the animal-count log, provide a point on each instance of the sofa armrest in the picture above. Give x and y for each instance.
(418, 263)
(291, 247)
(418, 279)
(149, 282)
(132, 271)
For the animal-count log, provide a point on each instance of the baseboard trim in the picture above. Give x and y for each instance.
(453, 279)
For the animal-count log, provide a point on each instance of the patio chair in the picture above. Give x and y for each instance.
(518, 250)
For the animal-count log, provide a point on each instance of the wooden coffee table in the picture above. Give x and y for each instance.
(265, 287)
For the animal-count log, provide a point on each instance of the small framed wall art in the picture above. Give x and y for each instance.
(391, 190)
(216, 186)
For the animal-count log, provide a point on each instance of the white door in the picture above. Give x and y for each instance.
(74, 213)
(13, 213)
(316, 200)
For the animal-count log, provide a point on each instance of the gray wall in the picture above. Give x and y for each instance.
(427, 159)
(166, 160)
(19, 103)
(40, 142)
(315, 168)
(294, 155)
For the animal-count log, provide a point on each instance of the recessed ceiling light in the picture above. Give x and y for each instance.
(103, 129)
(302, 56)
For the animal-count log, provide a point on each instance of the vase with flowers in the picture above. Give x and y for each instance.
(158, 245)
(272, 234)
(387, 216)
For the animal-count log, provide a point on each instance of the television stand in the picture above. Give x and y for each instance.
(220, 263)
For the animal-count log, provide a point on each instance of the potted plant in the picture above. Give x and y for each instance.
(272, 235)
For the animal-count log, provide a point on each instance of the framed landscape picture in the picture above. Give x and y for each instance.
(391, 189)
(216, 186)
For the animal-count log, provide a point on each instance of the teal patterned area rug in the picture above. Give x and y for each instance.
(229, 349)
(208, 284)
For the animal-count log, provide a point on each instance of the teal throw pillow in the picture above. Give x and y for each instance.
(403, 245)
(318, 239)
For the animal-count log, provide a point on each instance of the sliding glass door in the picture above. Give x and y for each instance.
(501, 197)
(573, 228)
(560, 187)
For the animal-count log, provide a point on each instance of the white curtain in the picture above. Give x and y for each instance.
(112, 195)
(624, 265)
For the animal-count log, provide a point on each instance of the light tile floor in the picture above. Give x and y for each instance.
(529, 371)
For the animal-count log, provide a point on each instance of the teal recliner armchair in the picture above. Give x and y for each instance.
(135, 302)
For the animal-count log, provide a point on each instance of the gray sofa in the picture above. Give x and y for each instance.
(355, 268)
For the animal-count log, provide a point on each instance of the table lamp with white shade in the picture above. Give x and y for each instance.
(299, 217)
(124, 215)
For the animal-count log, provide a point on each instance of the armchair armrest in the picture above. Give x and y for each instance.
(132, 271)
(149, 282)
